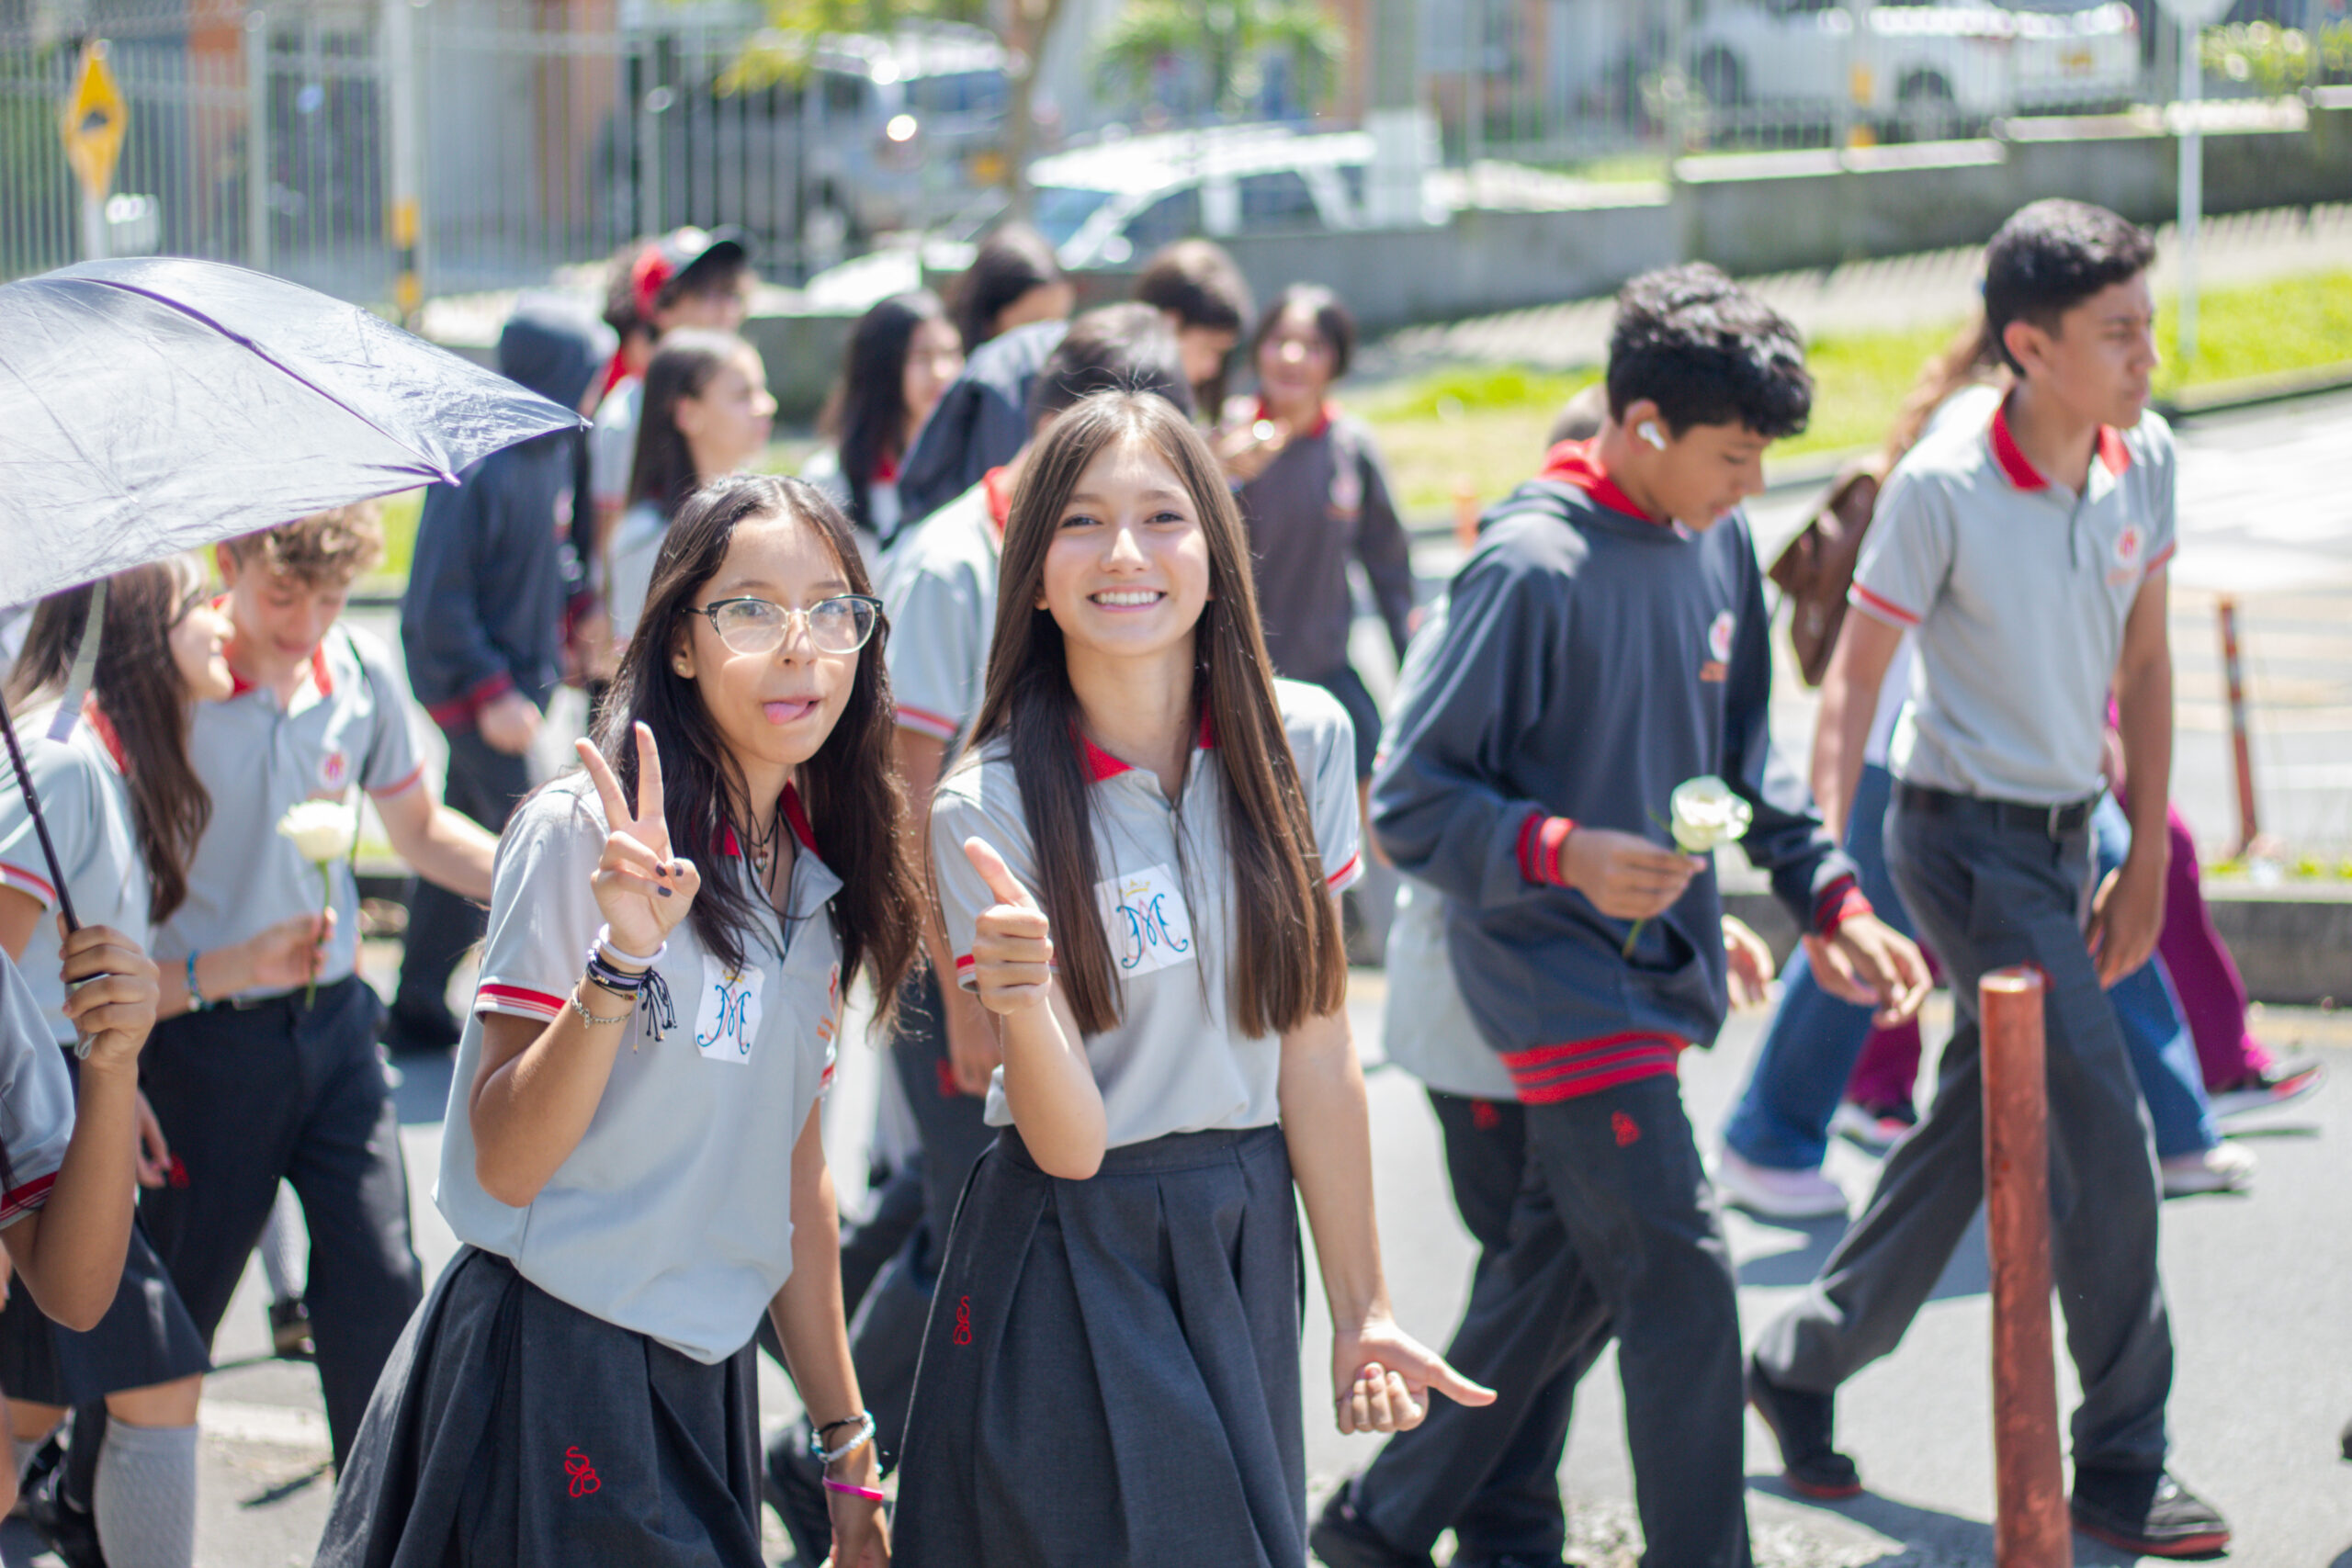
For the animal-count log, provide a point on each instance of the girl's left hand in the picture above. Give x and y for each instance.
(861, 1535)
(117, 1007)
(1750, 964)
(1382, 1376)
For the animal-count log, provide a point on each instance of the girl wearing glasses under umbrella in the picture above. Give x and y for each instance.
(671, 934)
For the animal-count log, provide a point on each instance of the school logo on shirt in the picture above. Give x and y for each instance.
(728, 1020)
(1144, 913)
(1347, 490)
(335, 770)
(1719, 633)
(2130, 545)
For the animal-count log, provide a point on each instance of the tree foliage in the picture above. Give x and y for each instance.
(1228, 41)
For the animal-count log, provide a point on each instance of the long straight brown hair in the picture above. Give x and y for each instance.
(856, 806)
(1288, 962)
(137, 687)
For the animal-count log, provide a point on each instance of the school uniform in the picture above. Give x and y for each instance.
(269, 1085)
(579, 1386)
(36, 1101)
(1110, 1371)
(979, 422)
(146, 1337)
(1323, 502)
(1587, 660)
(2016, 592)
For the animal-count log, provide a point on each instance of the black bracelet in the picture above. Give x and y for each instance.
(621, 982)
(844, 1421)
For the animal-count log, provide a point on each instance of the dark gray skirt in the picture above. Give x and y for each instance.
(510, 1428)
(1110, 1375)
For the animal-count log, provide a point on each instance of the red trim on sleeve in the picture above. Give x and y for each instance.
(1880, 606)
(1528, 831)
(1344, 872)
(491, 996)
(416, 776)
(923, 721)
(1841, 901)
(461, 711)
(1548, 845)
(19, 1202)
(2161, 559)
(23, 881)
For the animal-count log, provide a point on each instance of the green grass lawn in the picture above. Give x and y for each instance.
(1483, 427)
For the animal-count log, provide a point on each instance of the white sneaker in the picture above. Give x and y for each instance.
(2224, 1168)
(2267, 1090)
(1872, 1131)
(1776, 1193)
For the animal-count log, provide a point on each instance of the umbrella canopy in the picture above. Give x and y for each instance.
(151, 406)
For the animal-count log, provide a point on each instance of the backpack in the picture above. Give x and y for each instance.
(1817, 568)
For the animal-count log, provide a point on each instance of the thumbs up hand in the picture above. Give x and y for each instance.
(1013, 945)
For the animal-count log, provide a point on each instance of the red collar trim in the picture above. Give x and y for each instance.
(885, 469)
(795, 815)
(1329, 412)
(1000, 499)
(2019, 468)
(1579, 463)
(1102, 765)
(320, 675)
(103, 726)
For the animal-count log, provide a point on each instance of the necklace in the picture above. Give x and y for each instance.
(763, 851)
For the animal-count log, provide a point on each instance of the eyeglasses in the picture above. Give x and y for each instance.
(843, 623)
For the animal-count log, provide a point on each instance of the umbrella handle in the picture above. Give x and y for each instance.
(40, 824)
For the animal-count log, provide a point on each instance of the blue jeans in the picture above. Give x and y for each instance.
(2147, 1010)
(1782, 1119)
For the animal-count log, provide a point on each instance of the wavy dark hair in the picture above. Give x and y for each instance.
(1289, 964)
(856, 806)
(137, 687)
(867, 416)
(662, 467)
(1009, 264)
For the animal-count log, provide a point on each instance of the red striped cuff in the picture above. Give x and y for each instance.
(18, 1201)
(2162, 557)
(517, 1001)
(923, 721)
(1841, 901)
(967, 973)
(1540, 838)
(459, 711)
(400, 786)
(1342, 879)
(1546, 1075)
(1878, 605)
(23, 881)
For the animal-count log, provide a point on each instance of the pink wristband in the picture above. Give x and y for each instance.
(868, 1493)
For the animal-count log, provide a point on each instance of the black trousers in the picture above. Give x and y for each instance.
(1515, 1511)
(484, 783)
(280, 1091)
(1614, 1232)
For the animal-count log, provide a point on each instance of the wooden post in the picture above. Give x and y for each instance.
(2030, 1526)
(2241, 745)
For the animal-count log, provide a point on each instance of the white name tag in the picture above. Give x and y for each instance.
(1145, 914)
(727, 1018)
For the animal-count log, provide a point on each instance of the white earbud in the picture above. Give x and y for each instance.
(1648, 432)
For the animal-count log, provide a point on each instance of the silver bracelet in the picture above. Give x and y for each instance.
(593, 1019)
(858, 1439)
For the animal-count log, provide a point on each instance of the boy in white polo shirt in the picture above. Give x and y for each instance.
(2025, 556)
(265, 1086)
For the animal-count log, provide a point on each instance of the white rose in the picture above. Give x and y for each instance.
(1706, 815)
(321, 829)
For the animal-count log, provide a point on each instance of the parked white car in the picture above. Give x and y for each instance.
(1936, 66)
(1122, 199)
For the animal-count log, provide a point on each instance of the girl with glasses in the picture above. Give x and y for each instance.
(633, 1156)
(1138, 860)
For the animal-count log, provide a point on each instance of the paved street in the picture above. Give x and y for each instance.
(2259, 1284)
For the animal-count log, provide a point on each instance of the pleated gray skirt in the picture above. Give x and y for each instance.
(1110, 1375)
(510, 1428)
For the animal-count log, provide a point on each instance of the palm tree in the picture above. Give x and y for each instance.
(1229, 41)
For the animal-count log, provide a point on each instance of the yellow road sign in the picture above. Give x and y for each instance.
(95, 119)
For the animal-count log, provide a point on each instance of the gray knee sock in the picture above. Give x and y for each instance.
(146, 1495)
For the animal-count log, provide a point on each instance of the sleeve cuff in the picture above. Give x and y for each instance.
(1347, 877)
(1540, 838)
(458, 712)
(923, 721)
(1879, 607)
(516, 1001)
(1841, 901)
(967, 973)
(25, 881)
(399, 786)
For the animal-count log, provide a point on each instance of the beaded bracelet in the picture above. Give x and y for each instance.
(858, 1439)
(621, 982)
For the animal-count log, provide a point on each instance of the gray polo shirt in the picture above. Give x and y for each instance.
(347, 724)
(2016, 591)
(36, 1098)
(940, 593)
(673, 1215)
(87, 803)
(1176, 1063)
(1425, 1026)
(612, 443)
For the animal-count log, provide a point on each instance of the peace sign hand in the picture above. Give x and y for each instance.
(1013, 945)
(641, 889)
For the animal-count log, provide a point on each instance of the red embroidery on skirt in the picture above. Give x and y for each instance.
(582, 1473)
(963, 1335)
(177, 1175)
(1624, 1126)
(947, 1086)
(1483, 1116)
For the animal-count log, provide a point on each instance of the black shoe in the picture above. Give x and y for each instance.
(68, 1528)
(793, 1483)
(412, 1031)
(1804, 1425)
(2146, 1511)
(289, 1331)
(1341, 1539)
